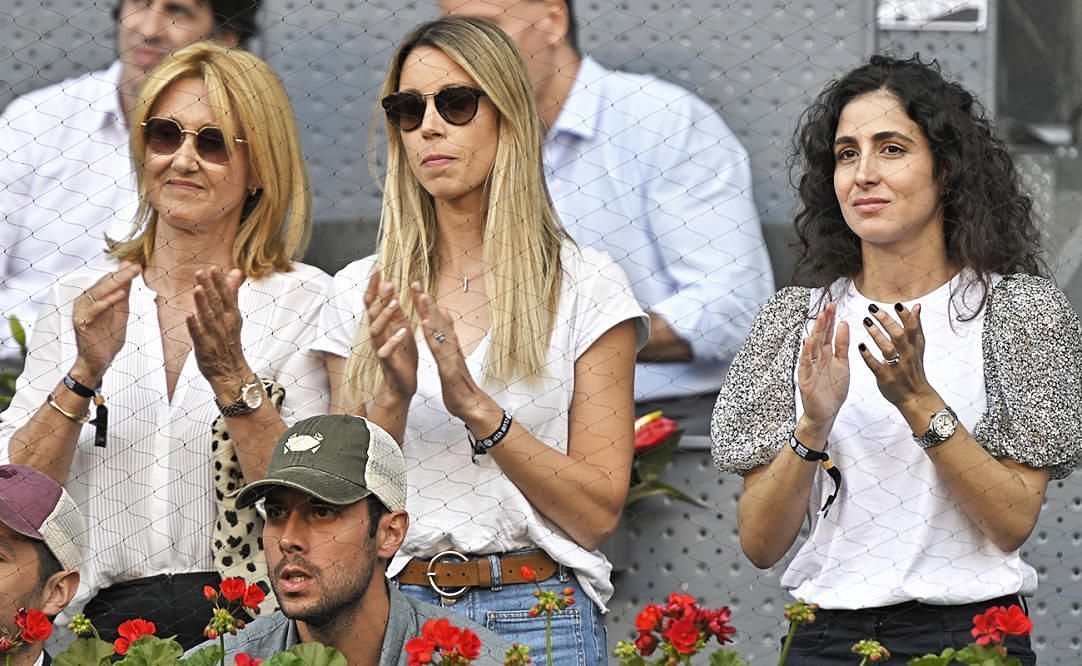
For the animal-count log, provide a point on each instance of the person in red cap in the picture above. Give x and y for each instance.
(41, 536)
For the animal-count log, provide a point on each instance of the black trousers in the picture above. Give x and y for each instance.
(908, 630)
(174, 603)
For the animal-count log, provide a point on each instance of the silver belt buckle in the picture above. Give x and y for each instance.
(447, 597)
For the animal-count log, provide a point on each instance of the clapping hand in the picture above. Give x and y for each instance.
(100, 319)
(392, 337)
(900, 375)
(823, 369)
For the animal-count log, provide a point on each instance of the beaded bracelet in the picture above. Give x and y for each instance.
(481, 446)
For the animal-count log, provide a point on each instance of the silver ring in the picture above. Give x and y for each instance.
(894, 361)
(439, 336)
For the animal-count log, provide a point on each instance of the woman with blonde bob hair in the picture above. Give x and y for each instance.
(500, 354)
(150, 344)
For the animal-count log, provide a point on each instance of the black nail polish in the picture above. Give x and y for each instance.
(867, 321)
(899, 307)
(873, 308)
(862, 347)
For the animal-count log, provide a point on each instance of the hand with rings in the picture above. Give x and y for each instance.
(900, 341)
(392, 337)
(460, 391)
(100, 320)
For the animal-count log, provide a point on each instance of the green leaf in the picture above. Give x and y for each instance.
(85, 652)
(284, 659)
(153, 651)
(652, 464)
(316, 654)
(727, 657)
(18, 333)
(208, 656)
(943, 659)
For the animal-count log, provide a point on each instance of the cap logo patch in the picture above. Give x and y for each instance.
(298, 443)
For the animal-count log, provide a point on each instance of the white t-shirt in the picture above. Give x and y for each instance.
(895, 533)
(476, 509)
(147, 495)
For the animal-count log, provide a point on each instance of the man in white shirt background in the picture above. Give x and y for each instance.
(648, 172)
(66, 177)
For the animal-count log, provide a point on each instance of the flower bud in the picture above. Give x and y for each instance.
(210, 633)
(210, 593)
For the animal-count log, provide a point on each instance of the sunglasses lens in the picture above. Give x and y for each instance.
(458, 104)
(162, 136)
(404, 110)
(210, 144)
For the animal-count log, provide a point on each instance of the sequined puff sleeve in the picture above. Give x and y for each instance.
(1033, 373)
(755, 413)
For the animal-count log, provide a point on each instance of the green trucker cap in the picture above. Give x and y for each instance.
(337, 458)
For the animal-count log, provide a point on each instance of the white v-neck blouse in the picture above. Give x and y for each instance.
(148, 494)
(474, 508)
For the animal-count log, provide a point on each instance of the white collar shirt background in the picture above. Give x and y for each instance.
(649, 173)
(66, 183)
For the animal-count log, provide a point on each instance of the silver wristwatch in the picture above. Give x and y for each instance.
(249, 400)
(940, 428)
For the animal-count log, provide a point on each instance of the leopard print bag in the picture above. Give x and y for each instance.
(238, 541)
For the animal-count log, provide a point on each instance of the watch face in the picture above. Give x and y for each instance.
(252, 395)
(943, 424)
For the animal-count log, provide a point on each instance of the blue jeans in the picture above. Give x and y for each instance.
(578, 633)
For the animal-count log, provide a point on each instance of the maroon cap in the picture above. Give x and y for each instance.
(37, 507)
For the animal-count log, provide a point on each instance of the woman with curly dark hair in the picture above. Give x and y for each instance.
(936, 432)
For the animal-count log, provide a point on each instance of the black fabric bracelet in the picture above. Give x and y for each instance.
(481, 446)
(828, 466)
(81, 390)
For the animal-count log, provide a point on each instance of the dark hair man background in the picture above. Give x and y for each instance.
(65, 170)
(335, 497)
(41, 534)
(650, 173)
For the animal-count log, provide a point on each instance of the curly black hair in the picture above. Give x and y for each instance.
(988, 219)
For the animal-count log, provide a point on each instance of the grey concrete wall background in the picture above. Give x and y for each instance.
(759, 62)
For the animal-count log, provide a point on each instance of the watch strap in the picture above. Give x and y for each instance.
(239, 407)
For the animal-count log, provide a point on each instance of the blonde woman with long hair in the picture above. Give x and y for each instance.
(498, 353)
(155, 334)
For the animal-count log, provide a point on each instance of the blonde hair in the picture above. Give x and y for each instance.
(522, 233)
(276, 223)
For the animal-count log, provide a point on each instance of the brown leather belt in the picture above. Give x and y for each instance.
(451, 573)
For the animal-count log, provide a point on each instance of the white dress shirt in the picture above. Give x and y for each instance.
(649, 173)
(65, 182)
(147, 495)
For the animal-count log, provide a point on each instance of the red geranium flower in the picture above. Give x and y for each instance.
(35, 625)
(681, 606)
(719, 625)
(683, 635)
(654, 433)
(442, 633)
(996, 623)
(244, 660)
(233, 588)
(469, 645)
(130, 631)
(649, 619)
(420, 651)
(1014, 621)
(528, 574)
(253, 596)
(646, 643)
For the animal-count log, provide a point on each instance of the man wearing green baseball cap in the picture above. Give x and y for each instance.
(335, 497)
